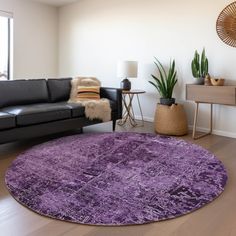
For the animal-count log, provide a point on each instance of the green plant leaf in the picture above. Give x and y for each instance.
(203, 60)
(195, 69)
(170, 77)
(158, 85)
(173, 83)
(197, 60)
(166, 81)
(162, 67)
(162, 77)
(206, 66)
(154, 85)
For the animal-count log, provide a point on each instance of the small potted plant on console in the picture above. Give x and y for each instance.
(199, 67)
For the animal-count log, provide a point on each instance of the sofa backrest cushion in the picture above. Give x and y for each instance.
(59, 89)
(21, 92)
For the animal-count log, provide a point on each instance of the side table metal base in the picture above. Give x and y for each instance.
(128, 111)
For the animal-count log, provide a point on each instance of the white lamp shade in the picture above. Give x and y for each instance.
(127, 69)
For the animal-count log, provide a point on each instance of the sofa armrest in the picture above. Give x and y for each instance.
(115, 95)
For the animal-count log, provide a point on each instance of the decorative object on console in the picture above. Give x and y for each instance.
(94, 108)
(207, 80)
(171, 120)
(165, 82)
(125, 70)
(226, 25)
(115, 178)
(217, 82)
(199, 67)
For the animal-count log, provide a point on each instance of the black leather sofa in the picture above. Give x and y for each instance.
(34, 108)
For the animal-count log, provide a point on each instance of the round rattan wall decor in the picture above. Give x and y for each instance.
(226, 25)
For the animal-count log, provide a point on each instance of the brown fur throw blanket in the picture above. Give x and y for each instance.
(94, 109)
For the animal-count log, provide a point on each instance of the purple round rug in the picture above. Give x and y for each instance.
(115, 178)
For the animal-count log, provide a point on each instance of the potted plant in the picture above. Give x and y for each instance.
(165, 82)
(199, 67)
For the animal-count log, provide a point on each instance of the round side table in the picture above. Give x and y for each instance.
(128, 112)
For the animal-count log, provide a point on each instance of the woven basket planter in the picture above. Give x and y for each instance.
(171, 120)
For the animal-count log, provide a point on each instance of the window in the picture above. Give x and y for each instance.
(6, 32)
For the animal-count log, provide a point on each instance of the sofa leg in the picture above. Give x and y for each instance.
(114, 125)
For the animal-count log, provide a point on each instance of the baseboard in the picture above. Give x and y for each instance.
(145, 118)
(215, 131)
(199, 129)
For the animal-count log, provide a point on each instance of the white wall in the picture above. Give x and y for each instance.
(35, 38)
(95, 34)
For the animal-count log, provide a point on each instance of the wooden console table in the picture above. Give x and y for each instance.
(222, 95)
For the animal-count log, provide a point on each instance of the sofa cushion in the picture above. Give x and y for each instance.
(38, 113)
(20, 92)
(7, 121)
(59, 89)
(77, 110)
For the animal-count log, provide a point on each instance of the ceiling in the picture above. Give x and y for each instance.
(57, 3)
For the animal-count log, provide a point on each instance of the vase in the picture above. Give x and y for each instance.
(167, 101)
(199, 81)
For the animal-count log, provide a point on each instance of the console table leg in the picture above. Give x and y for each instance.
(195, 122)
(211, 119)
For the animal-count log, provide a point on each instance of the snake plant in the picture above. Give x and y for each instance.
(200, 66)
(166, 81)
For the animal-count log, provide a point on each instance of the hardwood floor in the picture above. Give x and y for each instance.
(216, 219)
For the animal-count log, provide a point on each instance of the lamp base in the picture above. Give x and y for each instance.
(125, 84)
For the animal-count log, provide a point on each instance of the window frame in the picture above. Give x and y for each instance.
(9, 17)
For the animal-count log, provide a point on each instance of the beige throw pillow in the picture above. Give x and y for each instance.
(88, 93)
(81, 81)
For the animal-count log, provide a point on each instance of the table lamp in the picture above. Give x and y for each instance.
(125, 70)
